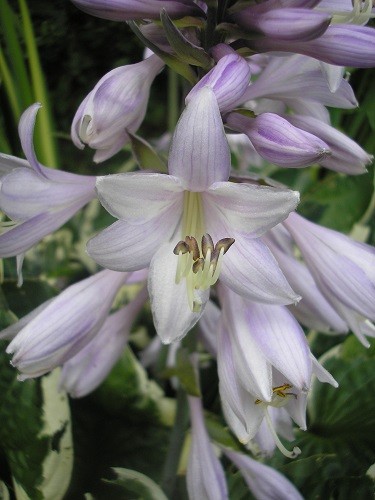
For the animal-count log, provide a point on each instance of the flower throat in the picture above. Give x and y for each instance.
(199, 264)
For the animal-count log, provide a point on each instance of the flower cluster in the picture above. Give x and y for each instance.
(222, 249)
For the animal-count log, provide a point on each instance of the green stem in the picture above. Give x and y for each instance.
(175, 445)
(45, 142)
(9, 86)
(173, 99)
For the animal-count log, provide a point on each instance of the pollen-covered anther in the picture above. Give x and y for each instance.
(279, 395)
(200, 265)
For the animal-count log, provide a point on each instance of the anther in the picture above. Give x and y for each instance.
(193, 246)
(181, 247)
(224, 243)
(198, 265)
(207, 244)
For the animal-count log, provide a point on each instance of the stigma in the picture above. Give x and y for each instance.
(199, 265)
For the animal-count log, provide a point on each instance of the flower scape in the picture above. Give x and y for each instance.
(214, 254)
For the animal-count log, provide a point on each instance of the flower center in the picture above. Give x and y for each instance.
(279, 396)
(199, 265)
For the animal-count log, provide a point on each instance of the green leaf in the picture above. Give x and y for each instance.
(35, 435)
(184, 49)
(138, 483)
(337, 202)
(145, 155)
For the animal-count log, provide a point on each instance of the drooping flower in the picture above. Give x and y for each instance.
(263, 481)
(116, 105)
(64, 325)
(188, 220)
(344, 271)
(205, 476)
(83, 373)
(263, 361)
(39, 200)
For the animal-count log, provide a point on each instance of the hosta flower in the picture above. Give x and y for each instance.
(58, 330)
(38, 200)
(192, 225)
(83, 373)
(344, 271)
(123, 10)
(263, 361)
(263, 481)
(116, 105)
(205, 476)
(290, 24)
(278, 141)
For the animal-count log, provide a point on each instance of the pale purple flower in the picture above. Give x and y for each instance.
(263, 361)
(343, 269)
(205, 476)
(297, 79)
(64, 325)
(196, 201)
(290, 24)
(341, 45)
(116, 105)
(39, 200)
(264, 482)
(346, 155)
(124, 10)
(313, 310)
(228, 79)
(85, 371)
(278, 141)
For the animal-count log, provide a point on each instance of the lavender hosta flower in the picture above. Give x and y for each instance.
(344, 271)
(313, 310)
(297, 78)
(229, 80)
(125, 10)
(193, 225)
(65, 325)
(205, 476)
(263, 361)
(116, 105)
(39, 200)
(278, 141)
(264, 482)
(283, 425)
(85, 371)
(347, 156)
(341, 45)
(290, 24)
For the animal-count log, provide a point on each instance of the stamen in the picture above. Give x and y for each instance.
(290, 454)
(181, 248)
(207, 244)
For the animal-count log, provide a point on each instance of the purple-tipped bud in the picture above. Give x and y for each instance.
(125, 10)
(342, 45)
(346, 156)
(278, 141)
(228, 79)
(285, 24)
(116, 105)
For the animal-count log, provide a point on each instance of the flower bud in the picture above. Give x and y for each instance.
(125, 10)
(116, 105)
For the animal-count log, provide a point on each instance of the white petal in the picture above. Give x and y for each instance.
(138, 196)
(199, 153)
(250, 270)
(248, 207)
(130, 247)
(173, 317)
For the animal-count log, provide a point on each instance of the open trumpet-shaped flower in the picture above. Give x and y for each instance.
(193, 225)
(39, 200)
